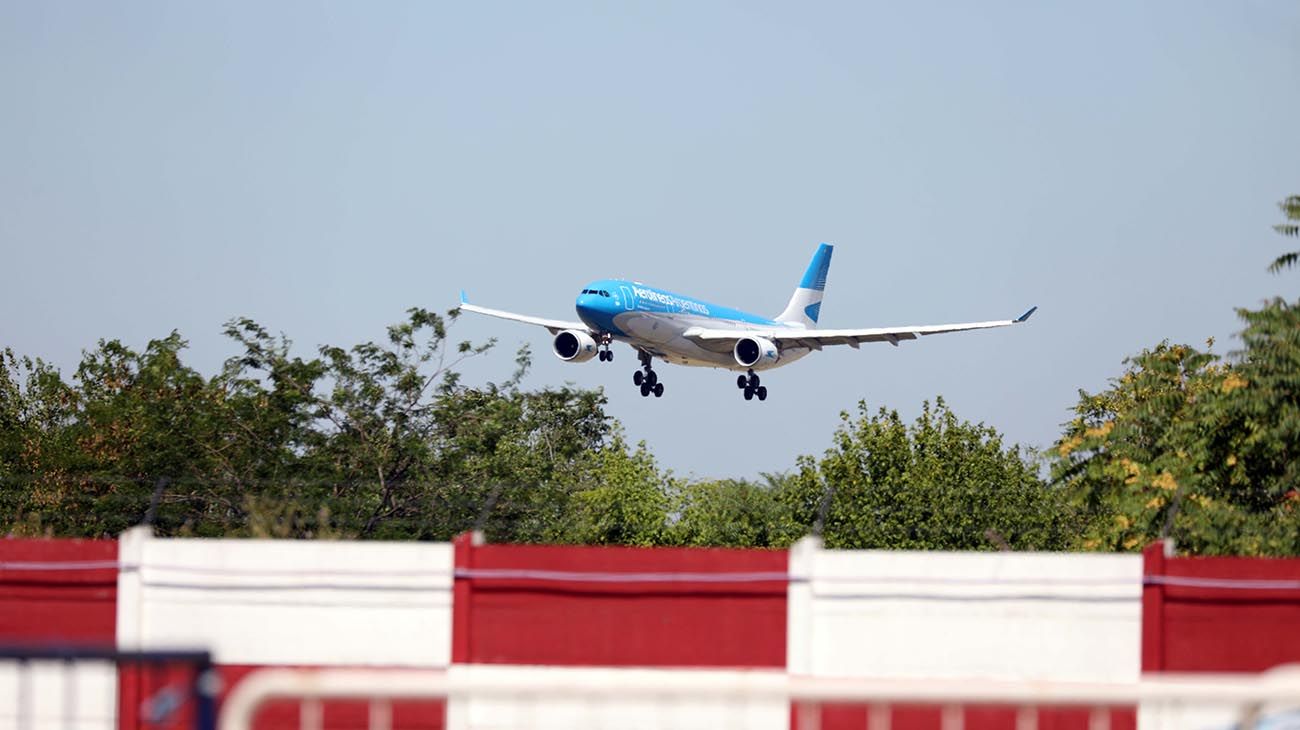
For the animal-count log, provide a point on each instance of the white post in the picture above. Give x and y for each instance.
(800, 621)
(130, 587)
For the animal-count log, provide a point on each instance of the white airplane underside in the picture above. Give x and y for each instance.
(676, 329)
(662, 336)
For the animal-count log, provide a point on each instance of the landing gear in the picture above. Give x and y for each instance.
(603, 342)
(749, 384)
(646, 378)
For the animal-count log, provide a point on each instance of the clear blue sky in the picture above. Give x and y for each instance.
(323, 167)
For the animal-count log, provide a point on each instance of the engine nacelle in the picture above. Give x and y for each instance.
(755, 352)
(574, 346)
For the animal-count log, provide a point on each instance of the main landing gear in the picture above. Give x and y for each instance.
(646, 378)
(749, 384)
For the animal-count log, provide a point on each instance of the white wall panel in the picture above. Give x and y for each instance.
(543, 713)
(52, 695)
(994, 615)
(310, 602)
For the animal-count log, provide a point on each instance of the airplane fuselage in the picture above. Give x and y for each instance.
(653, 320)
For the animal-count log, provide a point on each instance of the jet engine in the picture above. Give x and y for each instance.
(755, 352)
(574, 346)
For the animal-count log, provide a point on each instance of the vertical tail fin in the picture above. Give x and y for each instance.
(806, 303)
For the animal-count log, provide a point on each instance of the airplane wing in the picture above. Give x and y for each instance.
(817, 339)
(554, 325)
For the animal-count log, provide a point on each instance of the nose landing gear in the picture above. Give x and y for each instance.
(749, 383)
(646, 378)
(605, 354)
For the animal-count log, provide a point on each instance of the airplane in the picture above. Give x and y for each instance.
(681, 330)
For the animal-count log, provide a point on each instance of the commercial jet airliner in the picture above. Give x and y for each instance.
(686, 331)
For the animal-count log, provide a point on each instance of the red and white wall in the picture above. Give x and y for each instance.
(58, 591)
(516, 608)
(255, 603)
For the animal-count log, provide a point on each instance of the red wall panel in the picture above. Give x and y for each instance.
(1219, 614)
(58, 591)
(140, 687)
(285, 715)
(531, 604)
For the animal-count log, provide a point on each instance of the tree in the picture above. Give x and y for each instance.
(1122, 457)
(1291, 211)
(622, 499)
(734, 513)
(375, 445)
(377, 440)
(937, 484)
(1188, 445)
(92, 450)
(509, 459)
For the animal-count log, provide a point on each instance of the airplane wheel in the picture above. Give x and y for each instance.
(749, 394)
(638, 377)
(742, 382)
(600, 355)
(645, 389)
(753, 380)
(762, 392)
(609, 356)
(651, 378)
(659, 390)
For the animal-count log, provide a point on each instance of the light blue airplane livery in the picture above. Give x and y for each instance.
(686, 331)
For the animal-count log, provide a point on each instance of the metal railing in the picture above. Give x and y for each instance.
(25, 700)
(1246, 695)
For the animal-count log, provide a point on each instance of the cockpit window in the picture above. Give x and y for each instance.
(604, 293)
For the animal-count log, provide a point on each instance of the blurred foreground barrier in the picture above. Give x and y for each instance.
(101, 688)
(551, 697)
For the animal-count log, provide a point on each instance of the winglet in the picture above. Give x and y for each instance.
(1027, 315)
(463, 300)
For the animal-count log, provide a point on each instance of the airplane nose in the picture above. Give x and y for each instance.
(588, 304)
(595, 310)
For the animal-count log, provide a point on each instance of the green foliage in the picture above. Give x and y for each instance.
(380, 440)
(622, 499)
(1120, 458)
(1291, 211)
(1192, 446)
(937, 484)
(1189, 445)
(735, 513)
